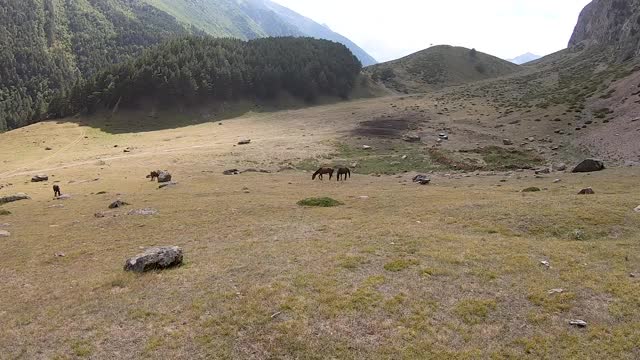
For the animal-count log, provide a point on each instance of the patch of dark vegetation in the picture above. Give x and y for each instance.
(448, 160)
(320, 202)
(602, 113)
(531, 189)
(4, 212)
(384, 127)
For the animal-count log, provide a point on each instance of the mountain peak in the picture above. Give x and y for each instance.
(524, 58)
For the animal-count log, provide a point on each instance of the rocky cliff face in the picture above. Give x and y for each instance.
(610, 23)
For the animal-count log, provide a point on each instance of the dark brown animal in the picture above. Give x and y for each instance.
(323, 171)
(343, 173)
(154, 175)
(56, 191)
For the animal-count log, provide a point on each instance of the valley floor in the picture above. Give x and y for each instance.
(449, 270)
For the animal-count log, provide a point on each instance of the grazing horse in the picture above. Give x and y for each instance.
(323, 171)
(154, 175)
(343, 173)
(56, 191)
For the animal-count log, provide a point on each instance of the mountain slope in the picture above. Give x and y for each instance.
(524, 58)
(438, 67)
(250, 19)
(610, 23)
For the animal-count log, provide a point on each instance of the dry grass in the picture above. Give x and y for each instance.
(451, 270)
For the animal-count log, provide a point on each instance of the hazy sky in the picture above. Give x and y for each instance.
(389, 29)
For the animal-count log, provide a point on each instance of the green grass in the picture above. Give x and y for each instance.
(320, 202)
(474, 311)
(498, 158)
(400, 264)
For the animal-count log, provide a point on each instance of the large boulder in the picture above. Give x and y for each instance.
(589, 165)
(164, 177)
(39, 178)
(155, 259)
(11, 198)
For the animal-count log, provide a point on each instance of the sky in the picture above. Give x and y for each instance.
(390, 29)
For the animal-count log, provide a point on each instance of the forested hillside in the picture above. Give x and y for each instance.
(194, 69)
(49, 45)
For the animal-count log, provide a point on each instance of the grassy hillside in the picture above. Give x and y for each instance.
(439, 67)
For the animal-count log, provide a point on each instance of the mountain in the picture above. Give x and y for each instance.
(610, 23)
(524, 58)
(49, 45)
(250, 19)
(438, 67)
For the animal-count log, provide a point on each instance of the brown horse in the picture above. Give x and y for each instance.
(343, 173)
(154, 175)
(323, 171)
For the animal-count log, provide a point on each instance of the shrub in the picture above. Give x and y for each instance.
(320, 202)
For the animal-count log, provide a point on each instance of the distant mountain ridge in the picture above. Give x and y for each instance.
(524, 58)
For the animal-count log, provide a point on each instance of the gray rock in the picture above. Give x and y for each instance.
(578, 323)
(39, 178)
(11, 198)
(637, 209)
(164, 176)
(118, 204)
(411, 138)
(166, 185)
(4, 233)
(366, 147)
(231, 172)
(244, 142)
(587, 191)
(543, 171)
(63, 197)
(560, 167)
(421, 179)
(155, 259)
(555, 291)
(144, 212)
(589, 165)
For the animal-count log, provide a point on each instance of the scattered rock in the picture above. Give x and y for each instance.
(63, 197)
(587, 191)
(166, 185)
(255, 171)
(12, 198)
(144, 212)
(556, 181)
(633, 275)
(637, 209)
(59, 254)
(411, 138)
(244, 142)
(99, 215)
(589, 165)
(578, 323)
(155, 259)
(421, 179)
(48, 149)
(231, 172)
(443, 136)
(39, 178)
(560, 167)
(366, 147)
(4, 233)
(507, 142)
(118, 204)
(545, 263)
(543, 171)
(404, 157)
(555, 291)
(531, 189)
(164, 176)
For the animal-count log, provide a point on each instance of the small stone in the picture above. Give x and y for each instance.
(4, 233)
(231, 172)
(545, 263)
(422, 179)
(244, 142)
(556, 181)
(366, 147)
(560, 167)
(63, 197)
(555, 291)
(578, 323)
(633, 275)
(637, 209)
(60, 254)
(39, 178)
(587, 191)
(143, 212)
(507, 142)
(118, 204)
(164, 176)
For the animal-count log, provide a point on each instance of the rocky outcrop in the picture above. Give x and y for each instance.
(155, 259)
(164, 177)
(589, 165)
(611, 23)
